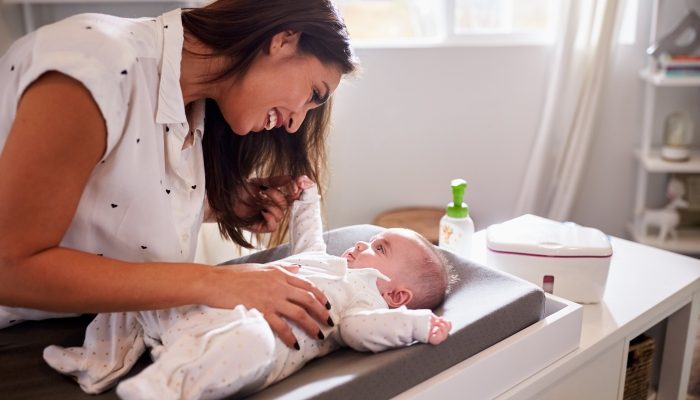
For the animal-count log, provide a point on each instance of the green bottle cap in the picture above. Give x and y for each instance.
(457, 209)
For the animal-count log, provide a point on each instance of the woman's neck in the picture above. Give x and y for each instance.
(196, 68)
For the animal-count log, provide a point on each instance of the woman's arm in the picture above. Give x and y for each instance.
(57, 138)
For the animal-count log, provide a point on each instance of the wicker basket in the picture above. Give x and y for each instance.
(639, 360)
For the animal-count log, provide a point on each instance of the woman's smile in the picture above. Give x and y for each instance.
(274, 119)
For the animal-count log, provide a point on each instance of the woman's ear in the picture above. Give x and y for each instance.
(285, 42)
(398, 297)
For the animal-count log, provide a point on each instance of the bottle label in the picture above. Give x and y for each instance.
(454, 239)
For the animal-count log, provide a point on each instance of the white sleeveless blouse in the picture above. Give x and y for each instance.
(144, 200)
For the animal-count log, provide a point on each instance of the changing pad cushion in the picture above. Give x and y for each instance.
(485, 307)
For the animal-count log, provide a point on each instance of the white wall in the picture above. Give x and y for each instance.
(420, 117)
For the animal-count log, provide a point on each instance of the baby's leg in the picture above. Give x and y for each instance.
(113, 343)
(235, 357)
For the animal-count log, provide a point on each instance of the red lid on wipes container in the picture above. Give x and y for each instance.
(548, 240)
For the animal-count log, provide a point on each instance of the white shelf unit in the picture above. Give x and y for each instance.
(658, 78)
(649, 159)
(653, 162)
(686, 243)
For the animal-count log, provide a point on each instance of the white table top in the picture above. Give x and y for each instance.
(643, 284)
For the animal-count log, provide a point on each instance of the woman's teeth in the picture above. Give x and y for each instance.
(272, 120)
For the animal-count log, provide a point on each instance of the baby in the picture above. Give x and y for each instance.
(381, 294)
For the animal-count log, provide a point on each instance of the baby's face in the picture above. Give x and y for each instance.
(390, 252)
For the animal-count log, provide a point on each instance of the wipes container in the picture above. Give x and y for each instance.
(566, 260)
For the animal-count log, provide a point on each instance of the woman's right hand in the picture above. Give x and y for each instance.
(276, 292)
(273, 203)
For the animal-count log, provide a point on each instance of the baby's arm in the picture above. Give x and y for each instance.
(306, 226)
(379, 330)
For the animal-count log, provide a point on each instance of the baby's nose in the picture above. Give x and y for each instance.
(361, 246)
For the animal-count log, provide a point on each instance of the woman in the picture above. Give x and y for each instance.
(108, 128)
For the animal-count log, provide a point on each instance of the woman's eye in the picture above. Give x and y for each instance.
(316, 97)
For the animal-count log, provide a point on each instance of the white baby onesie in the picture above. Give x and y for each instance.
(203, 352)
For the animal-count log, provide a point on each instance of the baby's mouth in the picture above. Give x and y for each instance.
(271, 119)
(348, 255)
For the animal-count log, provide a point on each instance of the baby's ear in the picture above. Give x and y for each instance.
(398, 297)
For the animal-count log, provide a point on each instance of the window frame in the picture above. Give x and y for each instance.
(448, 38)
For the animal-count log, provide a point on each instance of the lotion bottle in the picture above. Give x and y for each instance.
(456, 227)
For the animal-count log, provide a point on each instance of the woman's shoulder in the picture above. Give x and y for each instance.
(113, 42)
(100, 51)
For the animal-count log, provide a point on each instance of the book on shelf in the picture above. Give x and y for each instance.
(680, 65)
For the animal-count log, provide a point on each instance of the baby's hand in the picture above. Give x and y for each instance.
(299, 184)
(439, 329)
(303, 182)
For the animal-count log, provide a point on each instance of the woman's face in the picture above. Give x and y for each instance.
(279, 89)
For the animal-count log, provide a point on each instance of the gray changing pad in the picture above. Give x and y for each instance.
(486, 307)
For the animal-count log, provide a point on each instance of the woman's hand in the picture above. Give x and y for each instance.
(439, 329)
(273, 203)
(276, 292)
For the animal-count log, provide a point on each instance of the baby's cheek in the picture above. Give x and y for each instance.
(382, 286)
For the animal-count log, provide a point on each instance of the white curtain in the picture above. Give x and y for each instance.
(583, 49)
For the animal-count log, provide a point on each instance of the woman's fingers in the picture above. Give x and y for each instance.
(291, 268)
(273, 210)
(276, 292)
(281, 329)
(299, 315)
(277, 180)
(309, 287)
(312, 305)
(277, 198)
(270, 221)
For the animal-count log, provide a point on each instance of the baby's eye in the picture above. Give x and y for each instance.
(380, 248)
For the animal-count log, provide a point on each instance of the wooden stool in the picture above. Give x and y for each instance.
(424, 220)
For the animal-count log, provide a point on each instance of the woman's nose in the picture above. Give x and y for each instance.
(295, 120)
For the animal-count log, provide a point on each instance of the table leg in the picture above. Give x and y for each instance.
(678, 351)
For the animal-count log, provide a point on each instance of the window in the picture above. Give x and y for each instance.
(505, 21)
(412, 23)
(502, 16)
(628, 27)
(378, 22)
(444, 22)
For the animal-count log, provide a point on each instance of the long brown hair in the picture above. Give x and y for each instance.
(239, 30)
